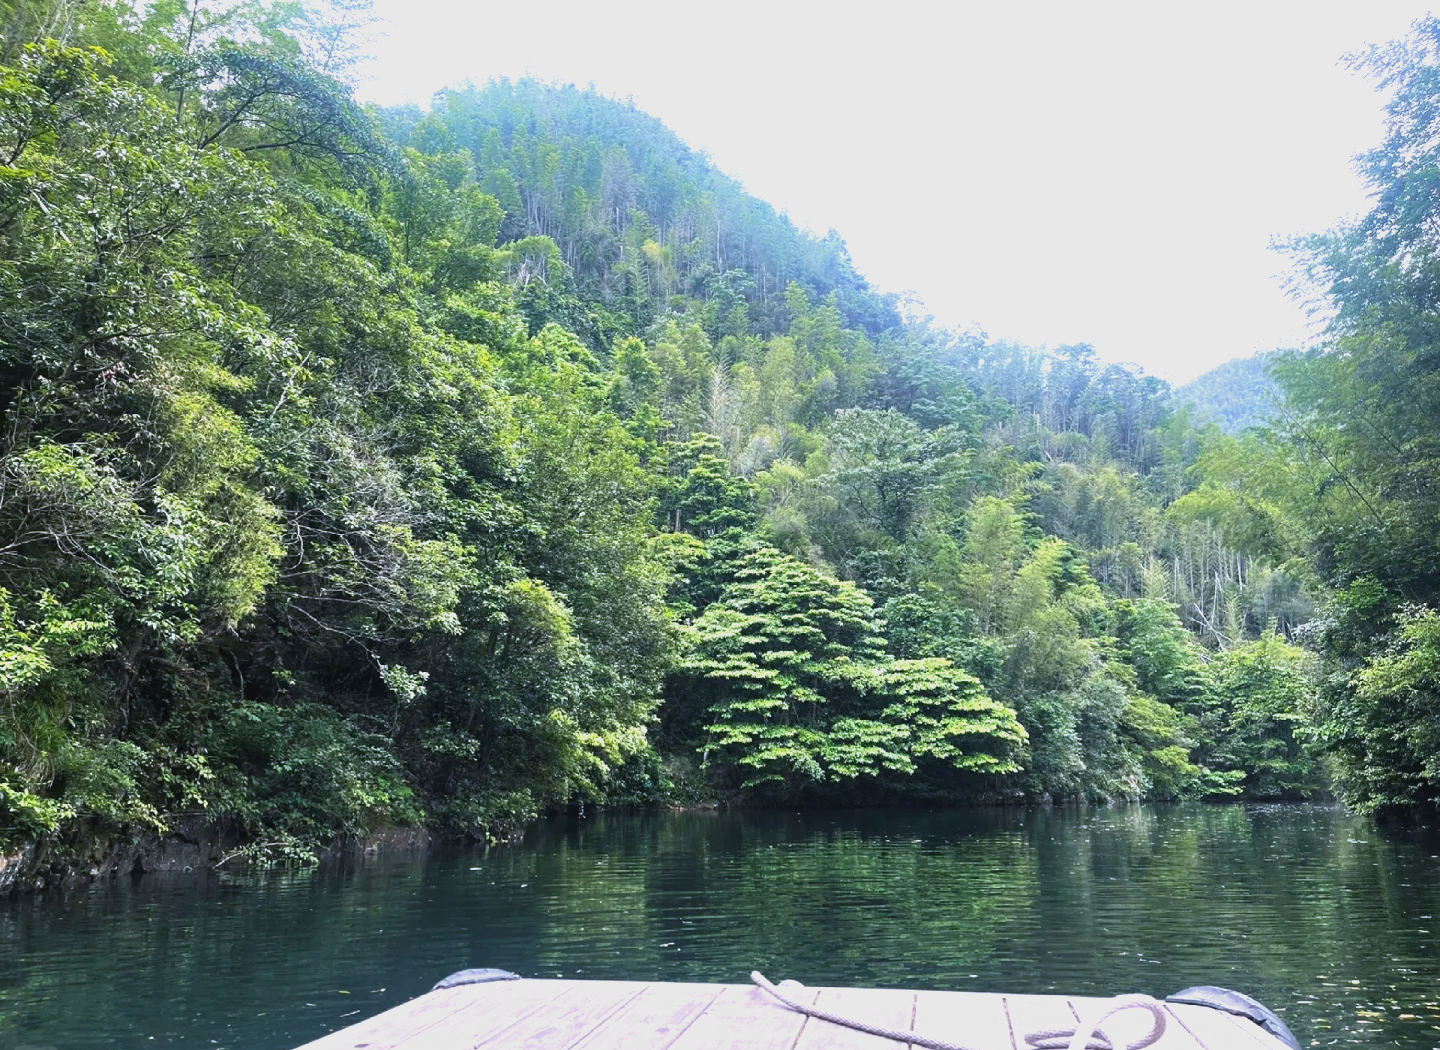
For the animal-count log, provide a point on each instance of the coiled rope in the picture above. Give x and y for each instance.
(1088, 1036)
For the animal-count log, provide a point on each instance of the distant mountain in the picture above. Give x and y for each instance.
(1237, 394)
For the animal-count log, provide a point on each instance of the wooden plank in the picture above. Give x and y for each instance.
(386, 1030)
(1132, 1024)
(743, 1017)
(1252, 1030)
(579, 1008)
(488, 1009)
(882, 1007)
(653, 1020)
(1217, 1030)
(615, 1015)
(969, 1018)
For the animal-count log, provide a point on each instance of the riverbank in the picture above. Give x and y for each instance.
(191, 844)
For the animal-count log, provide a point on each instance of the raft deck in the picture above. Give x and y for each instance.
(634, 1015)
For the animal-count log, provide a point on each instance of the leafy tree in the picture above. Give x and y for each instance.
(704, 497)
(1265, 688)
(1357, 438)
(790, 668)
(1164, 656)
(782, 655)
(949, 718)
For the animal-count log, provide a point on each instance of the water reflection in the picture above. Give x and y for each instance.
(1322, 916)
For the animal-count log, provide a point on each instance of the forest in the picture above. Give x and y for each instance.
(443, 467)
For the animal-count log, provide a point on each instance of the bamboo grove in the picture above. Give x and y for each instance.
(369, 467)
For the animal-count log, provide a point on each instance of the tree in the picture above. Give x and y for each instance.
(1265, 687)
(1358, 434)
(781, 656)
(789, 668)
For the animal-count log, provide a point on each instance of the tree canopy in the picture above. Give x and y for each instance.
(448, 465)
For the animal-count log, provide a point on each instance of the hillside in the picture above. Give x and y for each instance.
(1236, 395)
(446, 467)
(637, 215)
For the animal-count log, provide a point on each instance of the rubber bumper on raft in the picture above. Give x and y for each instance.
(1239, 1004)
(460, 977)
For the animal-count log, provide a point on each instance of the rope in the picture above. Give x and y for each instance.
(1085, 1037)
(849, 1022)
(1089, 1036)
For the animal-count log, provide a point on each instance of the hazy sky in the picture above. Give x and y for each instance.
(1110, 173)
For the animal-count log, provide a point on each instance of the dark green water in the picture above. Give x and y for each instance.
(1327, 919)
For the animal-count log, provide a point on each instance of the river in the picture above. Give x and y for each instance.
(1329, 920)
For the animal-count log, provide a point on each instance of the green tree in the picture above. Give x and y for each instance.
(1357, 434)
(1265, 688)
(789, 668)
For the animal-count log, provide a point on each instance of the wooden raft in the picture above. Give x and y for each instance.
(628, 1015)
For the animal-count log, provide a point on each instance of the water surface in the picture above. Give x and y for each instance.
(1325, 918)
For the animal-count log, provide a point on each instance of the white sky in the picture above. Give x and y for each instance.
(1051, 172)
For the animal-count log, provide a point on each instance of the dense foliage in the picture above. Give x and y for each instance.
(1348, 480)
(295, 534)
(364, 468)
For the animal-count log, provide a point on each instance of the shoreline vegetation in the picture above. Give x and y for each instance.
(369, 468)
(193, 845)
